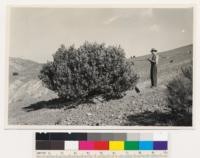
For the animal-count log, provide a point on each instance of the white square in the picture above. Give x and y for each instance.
(162, 136)
(146, 136)
(71, 145)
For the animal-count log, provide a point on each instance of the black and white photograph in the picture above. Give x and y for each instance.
(108, 67)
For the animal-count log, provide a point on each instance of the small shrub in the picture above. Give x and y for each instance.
(92, 69)
(180, 97)
(15, 73)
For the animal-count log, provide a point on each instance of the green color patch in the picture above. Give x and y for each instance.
(131, 145)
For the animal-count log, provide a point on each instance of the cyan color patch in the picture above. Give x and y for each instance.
(146, 145)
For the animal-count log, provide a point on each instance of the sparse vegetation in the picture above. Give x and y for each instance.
(92, 69)
(180, 97)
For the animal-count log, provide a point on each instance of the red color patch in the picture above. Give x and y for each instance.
(101, 145)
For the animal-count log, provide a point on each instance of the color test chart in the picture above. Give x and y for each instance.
(101, 145)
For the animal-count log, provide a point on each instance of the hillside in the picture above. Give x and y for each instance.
(24, 82)
(30, 102)
(169, 63)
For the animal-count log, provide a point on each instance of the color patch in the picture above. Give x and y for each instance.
(116, 145)
(101, 145)
(86, 145)
(94, 136)
(119, 136)
(42, 136)
(145, 145)
(160, 145)
(76, 136)
(57, 145)
(43, 145)
(106, 136)
(160, 137)
(146, 137)
(133, 137)
(71, 145)
(57, 136)
(131, 145)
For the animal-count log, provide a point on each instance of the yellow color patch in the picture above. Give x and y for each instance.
(116, 145)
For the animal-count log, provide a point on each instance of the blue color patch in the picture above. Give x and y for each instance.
(146, 145)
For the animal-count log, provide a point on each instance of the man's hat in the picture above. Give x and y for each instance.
(153, 50)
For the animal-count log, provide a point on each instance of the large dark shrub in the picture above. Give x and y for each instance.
(180, 97)
(92, 69)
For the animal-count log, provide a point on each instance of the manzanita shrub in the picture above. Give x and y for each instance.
(180, 97)
(90, 70)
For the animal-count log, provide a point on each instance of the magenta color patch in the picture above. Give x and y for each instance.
(86, 145)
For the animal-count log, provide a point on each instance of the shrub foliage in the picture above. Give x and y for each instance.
(180, 97)
(92, 69)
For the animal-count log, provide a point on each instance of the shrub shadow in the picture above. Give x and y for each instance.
(157, 119)
(55, 104)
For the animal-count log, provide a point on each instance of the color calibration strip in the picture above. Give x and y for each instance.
(101, 143)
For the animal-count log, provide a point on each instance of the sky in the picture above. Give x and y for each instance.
(36, 33)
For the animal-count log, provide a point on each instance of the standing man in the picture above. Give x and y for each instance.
(154, 62)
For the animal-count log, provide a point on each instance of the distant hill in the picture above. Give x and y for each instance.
(24, 82)
(26, 69)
